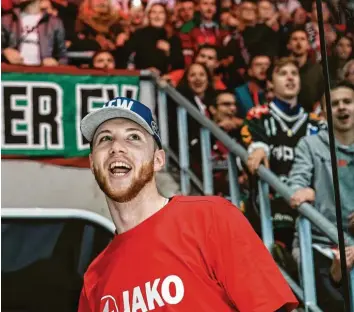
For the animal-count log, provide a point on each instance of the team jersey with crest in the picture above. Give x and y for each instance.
(195, 254)
(277, 129)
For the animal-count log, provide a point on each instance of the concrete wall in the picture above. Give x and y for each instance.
(27, 184)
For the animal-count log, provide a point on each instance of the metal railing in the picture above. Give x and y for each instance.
(308, 214)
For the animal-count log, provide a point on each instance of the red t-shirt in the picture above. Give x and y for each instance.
(195, 254)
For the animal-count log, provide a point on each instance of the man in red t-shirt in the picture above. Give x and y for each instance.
(179, 254)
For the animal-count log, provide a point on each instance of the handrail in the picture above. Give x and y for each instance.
(58, 213)
(307, 210)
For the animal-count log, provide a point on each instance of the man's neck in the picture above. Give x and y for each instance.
(130, 214)
(292, 101)
(344, 138)
(301, 59)
(207, 21)
(33, 8)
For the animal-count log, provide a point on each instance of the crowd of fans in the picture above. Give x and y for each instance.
(254, 67)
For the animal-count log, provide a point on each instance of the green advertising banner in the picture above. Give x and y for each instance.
(41, 112)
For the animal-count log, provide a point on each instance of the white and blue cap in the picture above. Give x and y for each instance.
(120, 107)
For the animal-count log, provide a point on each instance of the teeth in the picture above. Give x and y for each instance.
(119, 164)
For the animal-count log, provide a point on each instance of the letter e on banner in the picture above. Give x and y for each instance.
(32, 115)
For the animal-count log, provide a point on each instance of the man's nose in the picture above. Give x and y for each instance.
(117, 147)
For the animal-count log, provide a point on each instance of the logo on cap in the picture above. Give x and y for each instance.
(155, 128)
(122, 103)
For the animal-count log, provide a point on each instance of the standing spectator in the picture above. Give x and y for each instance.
(207, 55)
(348, 72)
(208, 31)
(343, 52)
(98, 20)
(67, 11)
(185, 16)
(298, 20)
(185, 23)
(103, 60)
(312, 180)
(312, 82)
(223, 112)
(258, 37)
(313, 32)
(252, 93)
(152, 46)
(271, 133)
(31, 37)
(197, 86)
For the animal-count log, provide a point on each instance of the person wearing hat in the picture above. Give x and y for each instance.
(169, 254)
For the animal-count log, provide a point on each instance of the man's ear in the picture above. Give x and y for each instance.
(159, 160)
(91, 162)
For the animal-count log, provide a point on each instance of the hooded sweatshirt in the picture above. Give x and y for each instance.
(312, 168)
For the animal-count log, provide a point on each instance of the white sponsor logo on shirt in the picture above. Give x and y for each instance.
(154, 294)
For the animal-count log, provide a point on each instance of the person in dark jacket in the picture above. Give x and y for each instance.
(152, 46)
(31, 37)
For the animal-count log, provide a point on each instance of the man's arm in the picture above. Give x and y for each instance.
(255, 139)
(59, 41)
(301, 174)
(84, 305)
(243, 266)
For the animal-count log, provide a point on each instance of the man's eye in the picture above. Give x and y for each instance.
(106, 138)
(134, 137)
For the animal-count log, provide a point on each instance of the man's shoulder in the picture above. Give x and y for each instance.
(201, 201)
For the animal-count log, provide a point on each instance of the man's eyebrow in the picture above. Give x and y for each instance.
(99, 133)
(134, 129)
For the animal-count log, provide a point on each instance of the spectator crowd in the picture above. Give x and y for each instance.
(254, 67)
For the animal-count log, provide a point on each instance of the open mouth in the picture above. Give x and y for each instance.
(344, 117)
(119, 168)
(290, 86)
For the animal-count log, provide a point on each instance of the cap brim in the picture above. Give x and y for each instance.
(92, 121)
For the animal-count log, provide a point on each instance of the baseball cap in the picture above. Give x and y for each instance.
(120, 107)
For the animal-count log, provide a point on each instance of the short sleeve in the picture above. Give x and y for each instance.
(243, 266)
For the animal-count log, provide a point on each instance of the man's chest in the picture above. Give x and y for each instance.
(158, 277)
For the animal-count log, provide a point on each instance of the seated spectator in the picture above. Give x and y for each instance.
(342, 53)
(311, 178)
(348, 72)
(207, 55)
(98, 20)
(41, 41)
(152, 46)
(312, 82)
(252, 93)
(103, 60)
(271, 133)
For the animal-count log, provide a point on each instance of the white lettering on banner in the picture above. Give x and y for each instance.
(143, 300)
(87, 95)
(31, 115)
